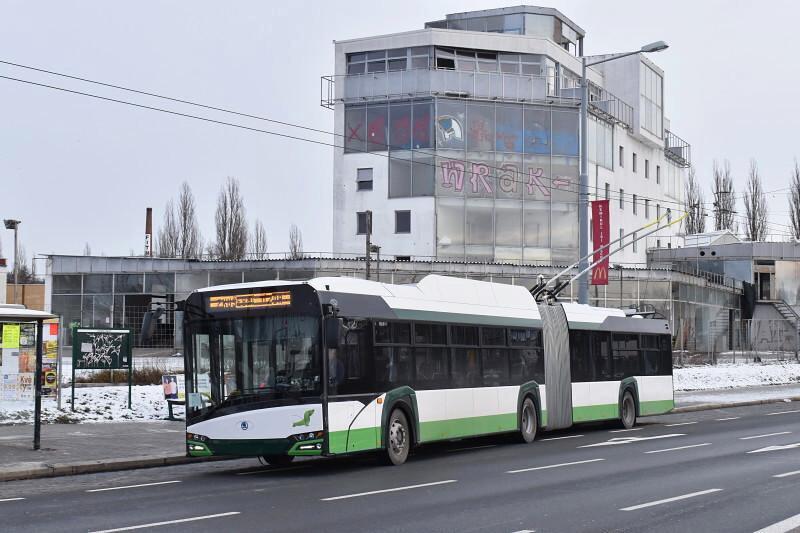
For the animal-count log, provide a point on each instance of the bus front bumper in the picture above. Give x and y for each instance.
(198, 446)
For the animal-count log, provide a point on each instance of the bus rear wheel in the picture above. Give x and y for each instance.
(527, 421)
(398, 438)
(628, 411)
(278, 460)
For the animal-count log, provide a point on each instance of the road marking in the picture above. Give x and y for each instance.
(777, 448)
(625, 430)
(15, 437)
(668, 500)
(135, 486)
(783, 526)
(553, 466)
(787, 474)
(729, 418)
(407, 487)
(525, 531)
(12, 499)
(179, 521)
(566, 437)
(783, 412)
(629, 440)
(765, 435)
(679, 424)
(472, 448)
(271, 470)
(680, 448)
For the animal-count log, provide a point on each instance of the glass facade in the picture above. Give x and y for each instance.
(651, 112)
(504, 175)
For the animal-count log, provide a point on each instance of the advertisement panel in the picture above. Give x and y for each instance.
(601, 233)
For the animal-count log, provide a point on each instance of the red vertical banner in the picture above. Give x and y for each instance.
(601, 234)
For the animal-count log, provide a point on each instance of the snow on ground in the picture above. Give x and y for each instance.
(109, 403)
(728, 376)
(95, 404)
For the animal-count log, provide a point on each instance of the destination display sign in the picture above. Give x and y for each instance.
(259, 300)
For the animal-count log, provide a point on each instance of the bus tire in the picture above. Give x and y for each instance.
(398, 438)
(627, 410)
(278, 460)
(527, 421)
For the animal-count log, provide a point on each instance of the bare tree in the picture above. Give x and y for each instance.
(231, 223)
(295, 243)
(755, 206)
(695, 221)
(169, 233)
(794, 201)
(724, 198)
(258, 242)
(24, 272)
(87, 250)
(190, 242)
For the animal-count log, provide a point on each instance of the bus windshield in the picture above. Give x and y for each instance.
(238, 360)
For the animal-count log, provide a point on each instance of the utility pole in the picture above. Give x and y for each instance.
(369, 244)
(14, 224)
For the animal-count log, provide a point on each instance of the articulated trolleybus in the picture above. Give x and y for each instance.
(336, 366)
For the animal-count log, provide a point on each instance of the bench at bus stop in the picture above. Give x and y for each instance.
(170, 403)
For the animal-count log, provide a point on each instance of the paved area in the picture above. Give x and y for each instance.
(68, 443)
(729, 470)
(88, 443)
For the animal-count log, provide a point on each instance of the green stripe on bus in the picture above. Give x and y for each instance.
(610, 411)
(586, 413)
(359, 439)
(466, 427)
(656, 407)
(460, 318)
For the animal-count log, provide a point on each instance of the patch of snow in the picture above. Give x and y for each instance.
(95, 404)
(729, 376)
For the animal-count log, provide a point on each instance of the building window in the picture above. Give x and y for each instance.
(361, 223)
(646, 208)
(621, 239)
(647, 169)
(635, 243)
(364, 179)
(658, 210)
(402, 221)
(634, 162)
(658, 173)
(608, 191)
(651, 98)
(622, 199)
(635, 198)
(621, 156)
(658, 243)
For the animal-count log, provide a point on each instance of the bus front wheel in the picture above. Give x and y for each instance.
(527, 421)
(278, 460)
(628, 411)
(398, 438)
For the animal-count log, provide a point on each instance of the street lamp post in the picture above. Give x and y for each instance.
(14, 224)
(583, 198)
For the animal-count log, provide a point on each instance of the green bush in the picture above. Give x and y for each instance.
(149, 375)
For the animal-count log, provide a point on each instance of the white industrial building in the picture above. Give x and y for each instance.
(462, 138)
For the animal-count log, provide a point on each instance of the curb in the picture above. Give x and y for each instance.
(44, 470)
(711, 406)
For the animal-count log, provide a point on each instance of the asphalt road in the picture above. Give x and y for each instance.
(727, 470)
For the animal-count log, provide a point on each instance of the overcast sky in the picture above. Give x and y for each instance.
(78, 170)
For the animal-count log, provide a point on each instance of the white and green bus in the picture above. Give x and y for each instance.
(336, 366)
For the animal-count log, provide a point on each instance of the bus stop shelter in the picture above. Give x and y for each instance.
(18, 314)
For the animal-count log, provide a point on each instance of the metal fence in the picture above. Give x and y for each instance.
(743, 341)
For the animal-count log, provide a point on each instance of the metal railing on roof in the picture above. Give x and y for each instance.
(677, 150)
(493, 86)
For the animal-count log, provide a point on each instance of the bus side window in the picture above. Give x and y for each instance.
(666, 354)
(580, 351)
(601, 353)
(466, 367)
(626, 355)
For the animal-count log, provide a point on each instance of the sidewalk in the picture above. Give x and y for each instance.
(95, 447)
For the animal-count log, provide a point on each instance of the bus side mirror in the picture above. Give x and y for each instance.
(333, 331)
